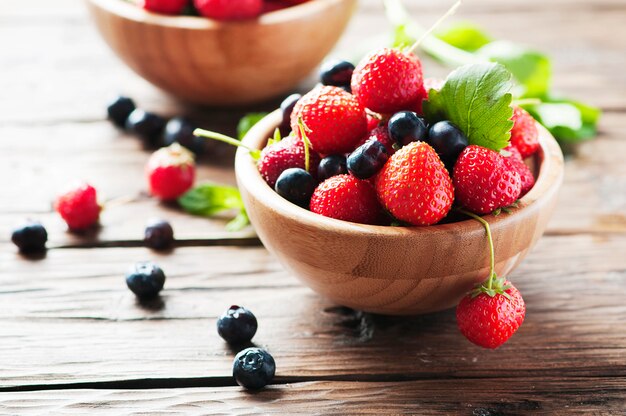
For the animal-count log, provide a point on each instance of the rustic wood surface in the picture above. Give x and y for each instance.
(75, 341)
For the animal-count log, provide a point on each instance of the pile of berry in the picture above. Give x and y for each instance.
(218, 9)
(154, 130)
(379, 144)
(374, 158)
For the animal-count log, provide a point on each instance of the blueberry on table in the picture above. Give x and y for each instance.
(237, 325)
(119, 109)
(367, 159)
(30, 237)
(145, 280)
(158, 235)
(180, 130)
(448, 141)
(148, 126)
(286, 108)
(253, 368)
(406, 127)
(337, 73)
(296, 185)
(330, 166)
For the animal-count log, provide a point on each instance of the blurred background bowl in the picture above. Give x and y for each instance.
(395, 270)
(223, 63)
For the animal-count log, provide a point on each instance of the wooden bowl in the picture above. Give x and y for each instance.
(223, 63)
(394, 270)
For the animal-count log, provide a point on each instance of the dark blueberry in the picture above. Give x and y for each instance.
(406, 127)
(146, 125)
(337, 73)
(158, 235)
(119, 109)
(30, 237)
(330, 166)
(448, 141)
(296, 185)
(253, 368)
(237, 325)
(367, 159)
(180, 130)
(286, 107)
(145, 280)
(346, 88)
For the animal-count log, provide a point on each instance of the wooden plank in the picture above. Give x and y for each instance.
(96, 152)
(68, 55)
(501, 396)
(76, 322)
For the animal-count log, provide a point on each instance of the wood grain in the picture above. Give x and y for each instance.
(76, 322)
(502, 396)
(69, 322)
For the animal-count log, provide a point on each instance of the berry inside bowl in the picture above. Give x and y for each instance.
(395, 270)
(212, 62)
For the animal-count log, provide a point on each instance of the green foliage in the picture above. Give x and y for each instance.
(531, 69)
(477, 99)
(209, 199)
(464, 35)
(567, 120)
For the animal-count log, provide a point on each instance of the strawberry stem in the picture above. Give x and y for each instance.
(307, 143)
(206, 134)
(439, 21)
(492, 257)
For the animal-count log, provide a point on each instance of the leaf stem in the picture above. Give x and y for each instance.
(492, 259)
(307, 143)
(435, 47)
(439, 21)
(206, 134)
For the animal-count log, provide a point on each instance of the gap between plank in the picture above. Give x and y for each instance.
(196, 382)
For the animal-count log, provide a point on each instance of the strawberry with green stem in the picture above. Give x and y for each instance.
(296, 185)
(493, 311)
(278, 156)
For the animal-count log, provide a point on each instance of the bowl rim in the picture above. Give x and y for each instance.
(133, 12)
(550, 176)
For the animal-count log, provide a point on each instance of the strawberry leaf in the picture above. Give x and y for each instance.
(209, 199)
(477, 99)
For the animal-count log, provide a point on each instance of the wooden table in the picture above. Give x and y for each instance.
(74, 341)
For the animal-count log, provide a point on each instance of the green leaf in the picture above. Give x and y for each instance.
(476, 98)
(401, 38)
(209, 199)
(464, 35)
(239, 222)
(567, 121)
(247, 122)
(531, 69)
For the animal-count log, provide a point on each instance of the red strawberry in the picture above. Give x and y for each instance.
(229, 9)
(382, 135)
(388, 80)
(483, 181)
(170, 171)
(524, 134)
(79, 207)
(288, 153)
(334, 117)
(516, 163)
(165, 6)
(489, 321)
(414, 185)
(347, 198)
